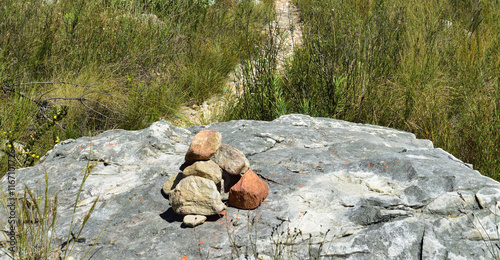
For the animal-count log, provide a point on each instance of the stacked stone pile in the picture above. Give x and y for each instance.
(204, 183)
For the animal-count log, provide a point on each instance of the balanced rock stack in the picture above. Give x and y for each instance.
(198, 191)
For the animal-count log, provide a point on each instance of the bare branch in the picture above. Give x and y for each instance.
(82, 99)
(47, 83)
(45, 103)
(22, 94)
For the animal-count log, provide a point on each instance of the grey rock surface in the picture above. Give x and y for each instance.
(338, 190)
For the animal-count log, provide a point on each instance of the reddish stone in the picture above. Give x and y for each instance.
(203, 146)
(248, 192)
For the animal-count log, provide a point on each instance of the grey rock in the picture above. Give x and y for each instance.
(337, 190)
(206, 169)
(196, 195)
(452, 203)
(194, 220)
(488, 198)
(231, 160)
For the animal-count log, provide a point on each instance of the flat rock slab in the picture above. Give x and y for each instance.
(337, 190)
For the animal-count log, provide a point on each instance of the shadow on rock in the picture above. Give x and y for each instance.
(165, 195)
(170, 216)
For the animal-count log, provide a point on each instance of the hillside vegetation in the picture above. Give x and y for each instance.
(76, 67)
(428, 67)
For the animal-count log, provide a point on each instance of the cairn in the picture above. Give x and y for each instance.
(199, 190)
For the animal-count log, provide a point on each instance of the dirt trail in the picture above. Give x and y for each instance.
(288, 23)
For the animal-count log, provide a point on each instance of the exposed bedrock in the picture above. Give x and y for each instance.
(337, 190)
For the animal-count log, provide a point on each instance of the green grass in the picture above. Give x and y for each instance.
(133, 62)
(428, 67)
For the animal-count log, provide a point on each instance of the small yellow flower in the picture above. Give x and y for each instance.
(33, 155)
(57, 140)
(9, 145)
(55, 117)
(4, 133)
(58, 112)
(37, 156)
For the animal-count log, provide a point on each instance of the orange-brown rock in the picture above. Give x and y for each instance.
(203, 146)
(248, 192)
